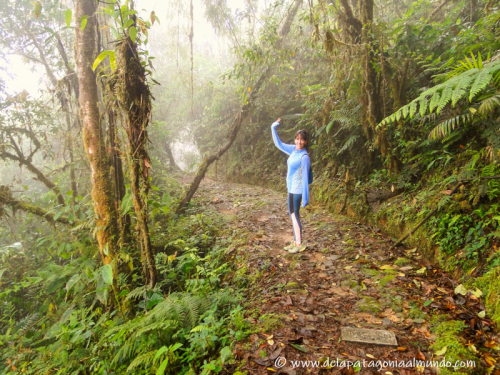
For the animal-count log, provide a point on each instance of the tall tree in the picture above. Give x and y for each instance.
(93, 137)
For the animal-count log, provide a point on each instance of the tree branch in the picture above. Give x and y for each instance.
(39, 175)
(6, 199)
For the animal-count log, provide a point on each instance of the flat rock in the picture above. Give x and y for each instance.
(369, 336)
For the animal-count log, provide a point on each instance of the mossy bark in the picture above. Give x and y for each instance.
(93, 139)
(135, 98)
(6, 199)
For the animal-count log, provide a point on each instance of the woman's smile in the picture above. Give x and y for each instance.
(300, 143)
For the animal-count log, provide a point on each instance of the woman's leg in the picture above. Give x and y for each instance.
(294, 201)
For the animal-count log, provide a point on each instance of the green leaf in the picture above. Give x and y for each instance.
(127, 24)
(102, 56)
(481, 314)
(132, 32)
(67, 16)
(83, 23)
(329, 126)
(107, 274)
(428, 302)
(445, 98)
(2, 271)
(482, 80)
(459, 91)
(225, 354)
(423, 106)
(72, 281)
(112, 62)
(126, 203)
(299, 347)
(160, 351)
(163, 366)
(174, 347)
(56, 216)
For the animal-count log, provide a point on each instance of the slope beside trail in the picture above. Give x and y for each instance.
(347, 277)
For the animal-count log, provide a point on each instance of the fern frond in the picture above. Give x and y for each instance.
(434, 101)
(143, 359)
(413, 108)
(489, 105)
(444, 128)
(461, 88)
(444, 201)
(348, 144)
(445, 98)
(482, 80)
(423, 106)
(139, 292)
(477, 74)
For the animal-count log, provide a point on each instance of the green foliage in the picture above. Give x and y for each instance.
(185, 325)
(467, 85)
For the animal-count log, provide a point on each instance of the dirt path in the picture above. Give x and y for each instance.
(345, 278)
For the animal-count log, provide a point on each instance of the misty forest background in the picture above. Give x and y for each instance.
(107, 265)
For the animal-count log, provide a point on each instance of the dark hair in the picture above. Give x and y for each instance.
(304, 134)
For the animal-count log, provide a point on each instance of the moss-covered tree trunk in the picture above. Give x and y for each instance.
(93, 139)
(135, 98)
(371, 98)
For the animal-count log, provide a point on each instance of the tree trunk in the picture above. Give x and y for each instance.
(173, 165)
(124, 221)
(93, 139)
(240, 117)
(135, 98)
(371, 99)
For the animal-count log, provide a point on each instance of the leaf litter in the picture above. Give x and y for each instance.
(347, 277)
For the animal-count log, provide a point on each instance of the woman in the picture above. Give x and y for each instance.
(297, 180)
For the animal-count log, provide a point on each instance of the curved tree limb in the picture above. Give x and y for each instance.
(238, 120)
(39, 175)
(6, 199)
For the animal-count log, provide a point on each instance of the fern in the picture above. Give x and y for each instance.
(459, 91)
(482, 80)
(143, 359)
(456, 88)
(488, 106)
(444, 128)
(445, 98)
(433, 104)
(348, 144)
(179, 311)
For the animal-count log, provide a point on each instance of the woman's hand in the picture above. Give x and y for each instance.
(278, 120)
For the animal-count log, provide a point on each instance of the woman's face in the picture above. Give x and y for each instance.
(300, 143)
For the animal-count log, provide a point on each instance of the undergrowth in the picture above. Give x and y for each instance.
(185, 325)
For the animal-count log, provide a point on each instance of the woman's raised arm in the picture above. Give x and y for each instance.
(286, 148)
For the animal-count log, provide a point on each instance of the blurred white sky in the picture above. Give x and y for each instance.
(24, 76)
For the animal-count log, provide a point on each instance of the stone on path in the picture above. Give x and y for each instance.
(368, 336)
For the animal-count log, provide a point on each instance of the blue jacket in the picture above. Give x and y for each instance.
(297, 178)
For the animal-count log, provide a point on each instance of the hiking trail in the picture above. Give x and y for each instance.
(346, 277)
